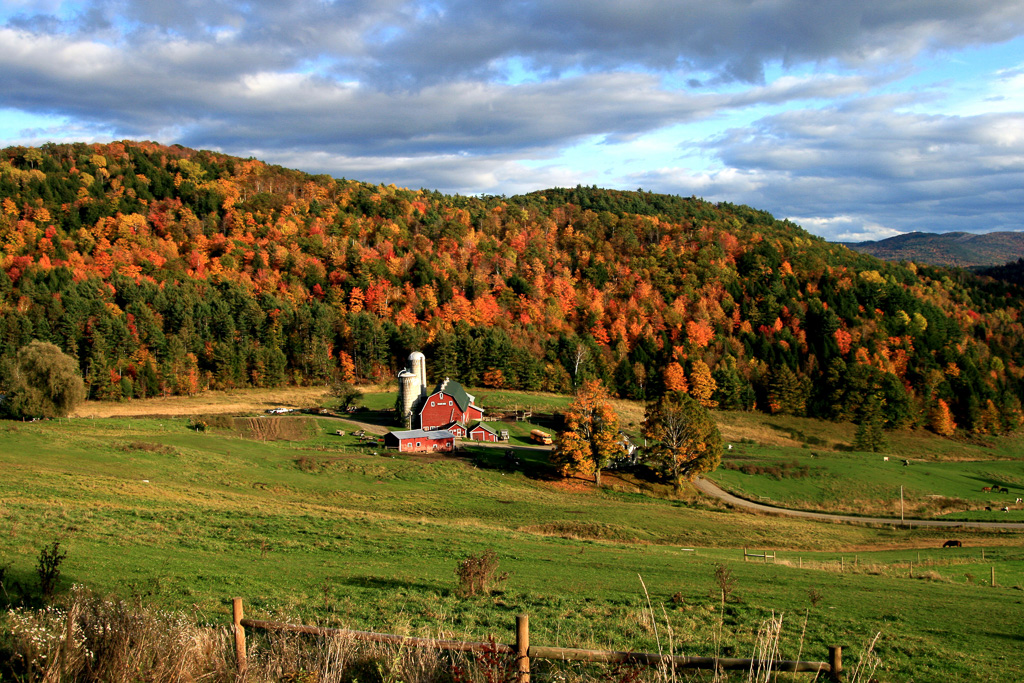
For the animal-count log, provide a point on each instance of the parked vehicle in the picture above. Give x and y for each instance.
(541, 437)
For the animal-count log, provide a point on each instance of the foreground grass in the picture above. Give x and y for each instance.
(183, 519)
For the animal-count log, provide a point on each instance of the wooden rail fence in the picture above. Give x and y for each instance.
(765, 555)
(525, 652)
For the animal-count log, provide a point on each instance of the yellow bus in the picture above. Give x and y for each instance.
(541, 437)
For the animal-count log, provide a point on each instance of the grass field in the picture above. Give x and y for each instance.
(807, 464)
(312, 527)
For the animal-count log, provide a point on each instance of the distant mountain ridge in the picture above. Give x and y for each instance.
(961, 249)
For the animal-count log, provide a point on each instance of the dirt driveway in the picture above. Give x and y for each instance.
(710, 488)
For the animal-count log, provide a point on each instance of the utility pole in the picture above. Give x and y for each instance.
(901, 505)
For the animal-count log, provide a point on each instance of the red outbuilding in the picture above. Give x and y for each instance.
(481, 432)
(420, 441)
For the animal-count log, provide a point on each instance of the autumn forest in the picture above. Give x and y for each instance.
(165, 270)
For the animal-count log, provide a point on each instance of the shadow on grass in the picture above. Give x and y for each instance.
(797, 435)
(381, 583)
(20, 588)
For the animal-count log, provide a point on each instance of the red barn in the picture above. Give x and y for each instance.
(481, 432)
(449, 403)
(420, 441)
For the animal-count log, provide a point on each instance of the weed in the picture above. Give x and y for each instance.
(490, 665)
(478, 574)
(814, 595)
(48, 567)
(725, 580)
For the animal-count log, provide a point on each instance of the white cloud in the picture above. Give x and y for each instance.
(805, 109)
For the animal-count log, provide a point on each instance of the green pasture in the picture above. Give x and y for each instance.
(320, 530)
(864, 483)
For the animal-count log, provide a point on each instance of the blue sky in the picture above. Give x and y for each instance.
(857, 120)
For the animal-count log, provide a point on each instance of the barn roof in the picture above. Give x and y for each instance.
(455, 390)
(423, 434)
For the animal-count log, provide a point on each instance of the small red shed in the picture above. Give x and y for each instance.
(481, 432)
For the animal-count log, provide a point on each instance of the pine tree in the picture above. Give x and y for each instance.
(870, 436)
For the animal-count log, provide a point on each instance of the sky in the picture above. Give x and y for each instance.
(857, 119)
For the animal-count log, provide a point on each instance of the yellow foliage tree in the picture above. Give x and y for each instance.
(591, 435)
(702, 384)
(684, 438)
(942, 419)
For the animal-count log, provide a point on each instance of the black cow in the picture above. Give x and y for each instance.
(952, 544)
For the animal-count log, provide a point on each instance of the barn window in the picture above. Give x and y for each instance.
(431, 404)
(417, 444)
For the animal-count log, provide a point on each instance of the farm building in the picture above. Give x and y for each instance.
(481, 432)
(456, 428)
(420, 441)
(449, 403)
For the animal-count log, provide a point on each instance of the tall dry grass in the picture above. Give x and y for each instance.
(88, 638)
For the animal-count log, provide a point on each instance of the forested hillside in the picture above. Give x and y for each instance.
(167, 270)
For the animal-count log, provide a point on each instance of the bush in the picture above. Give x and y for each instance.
(43, 382)
(478, 574)
(48, 568)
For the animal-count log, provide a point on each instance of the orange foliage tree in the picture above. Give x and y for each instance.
(675, 378)
(591, 435)
(942, 419)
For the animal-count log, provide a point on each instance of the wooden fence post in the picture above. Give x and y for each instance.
(69, 638)
(239, 631)
(835, 662)
(993, 576)
(523, 648)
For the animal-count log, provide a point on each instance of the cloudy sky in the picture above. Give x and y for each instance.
(858, 119)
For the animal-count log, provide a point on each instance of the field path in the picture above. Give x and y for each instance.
(710, 488)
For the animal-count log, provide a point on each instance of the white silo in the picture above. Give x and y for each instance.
(408, 393)
(418, 367)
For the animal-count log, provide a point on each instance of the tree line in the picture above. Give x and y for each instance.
(165, 270)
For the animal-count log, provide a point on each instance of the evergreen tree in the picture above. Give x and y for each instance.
(870, 436)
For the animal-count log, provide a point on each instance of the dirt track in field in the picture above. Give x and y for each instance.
(710, 488)
(208, 403)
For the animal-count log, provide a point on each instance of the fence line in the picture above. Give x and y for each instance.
(524, 652)
(765, 555)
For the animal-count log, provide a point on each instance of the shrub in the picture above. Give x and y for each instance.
(44, 382)
(50, 559)
(725, 580)
(478, 574)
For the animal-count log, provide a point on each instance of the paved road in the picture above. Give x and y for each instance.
(712, 489)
